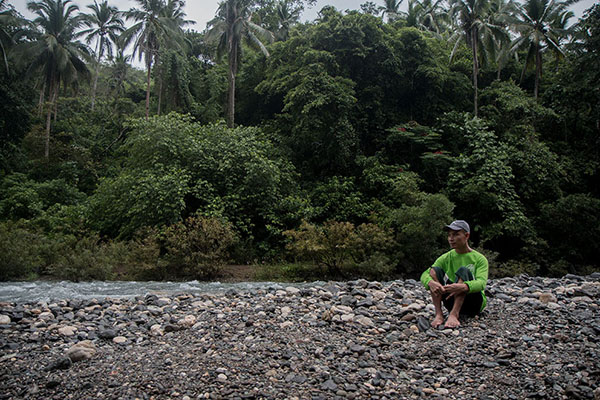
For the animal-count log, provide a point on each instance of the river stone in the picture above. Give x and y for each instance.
(408, 317)
(60, 363)
(286, 324)
(423, 324)
(4, 320)
(187, 322)
(285, 311)
(292, 290)
(67, 330)
(119, 340)
(81, 351)
(347, 317)
(364, 321)
(156, 330)
(547, 298)
(329, 384)
(46, 316)
(107, 334)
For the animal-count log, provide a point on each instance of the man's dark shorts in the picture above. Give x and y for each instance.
(473, 301)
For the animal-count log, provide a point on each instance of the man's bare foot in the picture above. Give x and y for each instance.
(452, 322)
(438, 320)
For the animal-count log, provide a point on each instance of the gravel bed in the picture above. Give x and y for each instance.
(348, 340)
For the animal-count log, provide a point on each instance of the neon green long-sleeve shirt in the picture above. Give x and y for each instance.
(451, 261)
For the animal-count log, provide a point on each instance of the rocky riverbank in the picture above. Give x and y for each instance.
(356, 340)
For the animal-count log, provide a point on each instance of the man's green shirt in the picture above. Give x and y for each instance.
(451, 261)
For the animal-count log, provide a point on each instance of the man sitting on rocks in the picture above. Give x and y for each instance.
(457, 278)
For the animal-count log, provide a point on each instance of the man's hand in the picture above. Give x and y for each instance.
(456, 288)
(436, 288)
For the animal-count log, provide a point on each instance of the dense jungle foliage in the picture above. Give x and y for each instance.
(332, 148)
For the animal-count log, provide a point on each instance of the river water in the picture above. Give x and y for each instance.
(34, 291)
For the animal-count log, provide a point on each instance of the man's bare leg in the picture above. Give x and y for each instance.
(437, 303)
(459, 299)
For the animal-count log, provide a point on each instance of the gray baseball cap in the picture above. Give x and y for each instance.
(458, 225)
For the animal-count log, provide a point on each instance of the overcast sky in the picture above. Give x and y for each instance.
(201, 11)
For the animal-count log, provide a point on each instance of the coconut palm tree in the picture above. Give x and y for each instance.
(391, 8)
(427, 15)
(7, 17)
(477, 29)
(55, 51)
(228, 29)
(104, 25)
(540, 25)
(153, 27)
(498, 45)
(287, 16)
(119, 66)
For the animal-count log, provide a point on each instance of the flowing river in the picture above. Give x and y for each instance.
(34, 291)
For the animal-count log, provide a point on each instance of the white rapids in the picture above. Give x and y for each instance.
(34, 291)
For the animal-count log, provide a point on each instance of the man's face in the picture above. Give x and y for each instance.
(457, 239)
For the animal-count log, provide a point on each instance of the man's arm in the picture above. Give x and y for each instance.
(426, 278)
(426, 275)
(481, 276)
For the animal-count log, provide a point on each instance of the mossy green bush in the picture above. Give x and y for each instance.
(19, 252)
(340, 247)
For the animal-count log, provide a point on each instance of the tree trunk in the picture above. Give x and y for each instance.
(55, 101)
(160, 84)
(41, 101)
(53, 94)
(149, 67)
(538, 70)
(99, 51)
(475, 68)
(231, 97)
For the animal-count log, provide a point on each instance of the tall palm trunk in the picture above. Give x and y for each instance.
(95, 86)
(95, 83)
(55, 101)
(149, 67)
(53, 94)
(233, 55)
(41, 100)
(160, 85)
(538, 70)
(475, 67)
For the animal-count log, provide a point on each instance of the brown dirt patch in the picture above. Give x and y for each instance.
(238, 273)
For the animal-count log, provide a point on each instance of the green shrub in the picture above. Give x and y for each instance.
(175, 167)
(197, 247)
(143, 258)
(571, 226)
(83, 258)
(338, 198)
(340, 247)
(418, 232)
(24, 198)
(19, 252)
